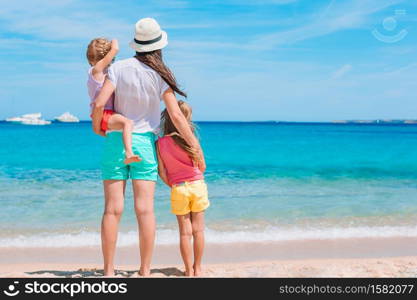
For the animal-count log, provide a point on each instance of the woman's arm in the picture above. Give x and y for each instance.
(161, 168)
(99, 104)
(181, 124)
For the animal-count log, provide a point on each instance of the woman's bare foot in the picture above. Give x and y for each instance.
(132, 159)
(189, 273)
(108, 273)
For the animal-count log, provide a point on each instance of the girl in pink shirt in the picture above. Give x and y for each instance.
(189, 198)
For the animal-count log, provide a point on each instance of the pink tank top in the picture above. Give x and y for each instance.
(178, 164)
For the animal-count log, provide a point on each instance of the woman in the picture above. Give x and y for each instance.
(138, 83)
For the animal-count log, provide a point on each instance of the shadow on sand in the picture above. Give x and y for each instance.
(81, 273)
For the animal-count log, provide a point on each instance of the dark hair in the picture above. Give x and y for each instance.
(169, 128)
(153, 59)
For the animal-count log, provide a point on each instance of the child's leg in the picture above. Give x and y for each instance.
(117, 122)
(184, 223)
(197, 224)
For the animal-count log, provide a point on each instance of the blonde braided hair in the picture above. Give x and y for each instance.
(97, 49)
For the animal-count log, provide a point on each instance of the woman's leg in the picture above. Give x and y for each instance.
(117, 122)
(197, 221)
(143, 193)
(184, 224)
(114, 196)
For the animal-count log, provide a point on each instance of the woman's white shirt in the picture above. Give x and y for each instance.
(138, 93)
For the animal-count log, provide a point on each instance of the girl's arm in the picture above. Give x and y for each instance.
(161, 168)
(181, 124)
(102, 64)
(201, 163)
(99, 104)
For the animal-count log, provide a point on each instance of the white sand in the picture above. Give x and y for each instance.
(379, 257)
(365, 267)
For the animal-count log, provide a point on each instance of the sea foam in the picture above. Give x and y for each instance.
(170, 237)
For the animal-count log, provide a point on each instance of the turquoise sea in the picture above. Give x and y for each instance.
(267, 182)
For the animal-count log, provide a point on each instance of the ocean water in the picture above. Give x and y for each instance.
(267, 182)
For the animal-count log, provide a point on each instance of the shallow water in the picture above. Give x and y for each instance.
(267, 181)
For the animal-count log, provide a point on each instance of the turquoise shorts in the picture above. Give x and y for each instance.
(112, 165)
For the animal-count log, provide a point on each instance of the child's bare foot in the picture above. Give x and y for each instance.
(132, 159)
(144, 273)
(197, 271)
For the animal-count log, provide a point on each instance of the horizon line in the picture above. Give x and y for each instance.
(350, 121)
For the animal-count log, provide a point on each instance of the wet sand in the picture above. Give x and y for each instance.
(379, 257)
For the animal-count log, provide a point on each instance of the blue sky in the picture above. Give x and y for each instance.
(294, 60)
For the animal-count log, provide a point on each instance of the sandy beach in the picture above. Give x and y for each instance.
(369, 267)
(384, 257)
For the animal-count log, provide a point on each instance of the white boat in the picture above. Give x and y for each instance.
(66, 117)
(29, 119)
(32, 116)
(14, 120)
(35, 122)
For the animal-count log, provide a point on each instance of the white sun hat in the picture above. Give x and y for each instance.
(148, 36)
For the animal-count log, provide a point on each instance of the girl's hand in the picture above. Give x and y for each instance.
(115, 45)
(201, 163)
(102, 64)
